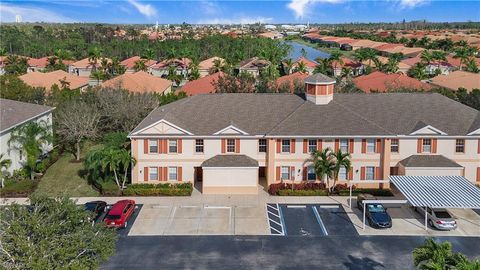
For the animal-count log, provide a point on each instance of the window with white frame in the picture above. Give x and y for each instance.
(342, 174)
(153, 173)
(199, 146)
(231, 145)
(370, 145)
(394, 146)
(344, 145)
(312, 145)
(172, 146)
(370, 173)
(285, 173)
(262, 145)
(460, 146)
(153, 146)
(311, 175)
(427, 145)
(285, 146)
(172, 173)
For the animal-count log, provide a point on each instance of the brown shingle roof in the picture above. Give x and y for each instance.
(428, 161)
(14, 113)
(230, 161)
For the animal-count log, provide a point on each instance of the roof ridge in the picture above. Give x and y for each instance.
(288, 116)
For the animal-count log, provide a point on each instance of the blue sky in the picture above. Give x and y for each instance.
(210, 11)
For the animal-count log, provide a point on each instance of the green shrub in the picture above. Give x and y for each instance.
(20, 174)
(372, 191)
(18, 188)
(163, 189)
(109, 188)
(289, 192)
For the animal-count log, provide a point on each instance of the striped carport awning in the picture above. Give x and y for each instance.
(438, 191)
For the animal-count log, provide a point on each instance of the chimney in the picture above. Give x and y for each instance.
(319, 88)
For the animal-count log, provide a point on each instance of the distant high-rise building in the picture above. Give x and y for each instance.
(18, 18)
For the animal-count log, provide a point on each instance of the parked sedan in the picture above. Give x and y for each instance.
(375, 213)
(120, 213)
(439, 218)
(97, 207)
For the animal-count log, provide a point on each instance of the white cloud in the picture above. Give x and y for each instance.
(239, 20)
(301, 7)
(146, 9)
(411, 3)
(209, 7)
(30, 14)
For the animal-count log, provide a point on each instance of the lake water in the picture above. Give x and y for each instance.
(312, 53)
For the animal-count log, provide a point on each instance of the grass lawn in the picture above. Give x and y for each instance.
(63, 178)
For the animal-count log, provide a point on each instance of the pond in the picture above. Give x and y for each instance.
(312, 53)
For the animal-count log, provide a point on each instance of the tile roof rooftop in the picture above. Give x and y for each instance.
(386, 114)
(139, 82)
(203, 85)
(86, 63)
(230, 161)
(130, 62)
(209, 63)
(14, 113)
(291, 78)
(457, 79)
(48, 79)
(428, 161)
(381, 82)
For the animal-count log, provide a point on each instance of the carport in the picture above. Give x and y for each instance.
(438, 192)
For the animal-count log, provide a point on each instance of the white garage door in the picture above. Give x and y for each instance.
(230, 180)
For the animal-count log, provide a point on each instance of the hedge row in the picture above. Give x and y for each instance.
(289, 192)
(274, 189)
(164, 189)
(18, 188)
(372, 191)
(319, 189)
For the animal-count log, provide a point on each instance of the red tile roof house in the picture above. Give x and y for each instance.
(380, 82)
(234, 143)
(253, 65)
(139, 82)
(84, 67)
(203, 85)
(160, 69)
(129, 63)
(48, 79)
(205, 66)
(310, 65)
(357, 67)
(40, 64)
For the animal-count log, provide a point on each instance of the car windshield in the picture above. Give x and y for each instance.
(90, 206)
(376, 208)
(113, 217)
(442, 214)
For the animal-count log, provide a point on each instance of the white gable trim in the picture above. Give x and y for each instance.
(230, 127)
(165, 122)
(475, 132)
(430, 129)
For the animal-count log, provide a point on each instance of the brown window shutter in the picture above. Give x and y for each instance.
(320, 145)
(292, 173)
(292, 146)
(350, 174)
(351, 146)
(179, 144)
(223, 146)
(237, 145)
(478, 150)
(305, 173)
(160, 146)
(279, 145)
(145, 174)
(165, 173)
(378, 173)
(362, 173)
(478, 174)
(145, 146)
(434, 146)
(165, 146)
(179, 173)
(160, 174)
(337, 144)
(364, 146)
(419, 145)
(378, 147)
(278, 173)
(305, 146)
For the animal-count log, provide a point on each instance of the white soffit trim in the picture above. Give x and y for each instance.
(230, 127)
(475, 132)
(165, 122)
(428, 130)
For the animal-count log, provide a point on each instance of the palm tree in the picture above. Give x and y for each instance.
(193, 73)
(346, 72)
(110, 163)
(217, 66)
(97, 75)
(418, 72)
(31, 139)
(336, 58)
(463, 53)
(341, 160)
(149, 54)
(173, 76)
(439, 56)
(391, 66)
(4, 164)
(426, 57)
(301, 67)
(125, 160)
(433, 255)
(140, 65)
(287, 66)
(93, 56)
(323, 164)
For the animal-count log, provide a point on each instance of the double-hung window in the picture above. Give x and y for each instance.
(312, 145)
(262, 145)
(460, 146)
(370, 145)
(394, 146)
(286, 146)
(199, 146)
(172, 146)
(285, 173)
(344, 145)
(311, 175)
(370, 173)
(153, 173)
(427, 145)
(231, 145)
(153, 146)
(342, 174)
(172, 173)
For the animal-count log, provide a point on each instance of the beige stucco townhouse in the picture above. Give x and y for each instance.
(225, 143)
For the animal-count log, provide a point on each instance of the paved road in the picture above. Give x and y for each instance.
(274, 252)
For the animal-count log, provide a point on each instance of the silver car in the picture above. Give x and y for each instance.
(439, 218)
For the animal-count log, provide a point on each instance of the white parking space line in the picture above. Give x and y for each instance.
(319, 220)
(329, 206)
(296, 206)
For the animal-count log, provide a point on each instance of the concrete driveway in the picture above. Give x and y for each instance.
(200, 220)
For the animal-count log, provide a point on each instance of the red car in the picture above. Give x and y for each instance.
(120, 213)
